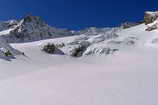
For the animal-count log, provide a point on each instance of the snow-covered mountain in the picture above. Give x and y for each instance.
(36, 67)
(90, 41)
(33, 28)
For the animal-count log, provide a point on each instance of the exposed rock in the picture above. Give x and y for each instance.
(150, 17)
(151, 20)
(61, 45)
(151, 28)
(77, 49)
(51, 48)
(6, 51)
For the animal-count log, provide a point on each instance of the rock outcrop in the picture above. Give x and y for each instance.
(6, 51)
(150, 17)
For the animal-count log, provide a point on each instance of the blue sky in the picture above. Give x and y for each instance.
(78, 14)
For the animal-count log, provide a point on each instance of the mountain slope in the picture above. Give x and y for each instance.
(127, 76)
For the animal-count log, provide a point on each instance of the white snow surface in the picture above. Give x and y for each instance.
(118, 67)
(152, 13)
(127, 77)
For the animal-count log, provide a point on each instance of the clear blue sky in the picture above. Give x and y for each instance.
(78, 14)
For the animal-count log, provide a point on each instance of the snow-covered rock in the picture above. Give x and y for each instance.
(52, 48)
(150, 17)
(151, 20)
(8, 24)
(85, 42)
(6, 51)
(130, 24)
(101, 50)
(152, 26)
(33, 28)
(99, 44)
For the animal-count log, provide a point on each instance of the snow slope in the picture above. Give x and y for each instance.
(127, 77)
(88, 81)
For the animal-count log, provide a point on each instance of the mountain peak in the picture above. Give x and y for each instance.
(33, 19)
